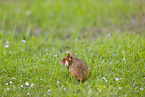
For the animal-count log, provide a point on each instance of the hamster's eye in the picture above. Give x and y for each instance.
(63, 59)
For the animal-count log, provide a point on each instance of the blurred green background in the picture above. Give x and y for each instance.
(65, 19)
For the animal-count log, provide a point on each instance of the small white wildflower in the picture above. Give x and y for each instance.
(117, 79)
(11, 82)
(21, 85)
(119, 45)
(67, 52)
(46, 50)
(104, 79)
(7, 46)
(123, 59)
(6, 84)
(109, 35)
(55, 55)
(28, 12)
(32, 85)
(28, 93)
(49, 90)
(8, 88)
(58, 81)
(13, 78)
(23, 40)
(41, 79)
(141, 88)
(27, 84)
(76, 39)
(119, 88)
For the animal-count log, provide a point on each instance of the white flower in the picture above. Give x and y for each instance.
(141, 88)
(23, 40)
(11, 82)
(58, 81)
(13, 78)
(119, 45)
(104, 79)
(32, 85)
(67, 52)
(49, 90)
(27, 84)
(119, 88)
(109, 35)
(55, 55)
(76, 39)
(8, 88)
(28, 93)
(6, 84)
(123, 59)
(41, 79)
(7, 46)
(28, 12)
(46, 50)
(117, 79)
(21, 85)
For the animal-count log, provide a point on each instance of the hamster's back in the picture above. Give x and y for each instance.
(79, 69)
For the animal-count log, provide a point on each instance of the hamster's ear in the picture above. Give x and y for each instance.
(69, 56)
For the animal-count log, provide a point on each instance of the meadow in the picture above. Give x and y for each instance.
(107, 34)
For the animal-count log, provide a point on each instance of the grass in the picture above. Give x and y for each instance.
(108, 36)
(112, 58)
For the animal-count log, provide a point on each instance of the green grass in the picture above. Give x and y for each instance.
(30, 62)
(107, 34)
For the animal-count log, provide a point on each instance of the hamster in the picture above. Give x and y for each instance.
(78, 68)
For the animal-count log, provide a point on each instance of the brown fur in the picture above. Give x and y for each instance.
(78, 68)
